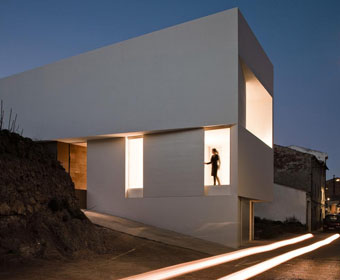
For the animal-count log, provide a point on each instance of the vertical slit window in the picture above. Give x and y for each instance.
(134, 162)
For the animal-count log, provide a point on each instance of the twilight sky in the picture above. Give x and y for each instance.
(301, 37)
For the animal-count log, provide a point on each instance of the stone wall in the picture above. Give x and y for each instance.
(292, 168)
(304, 172)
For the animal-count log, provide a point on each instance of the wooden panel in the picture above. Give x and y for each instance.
(78, 166)
(81, 195)
(63, 155)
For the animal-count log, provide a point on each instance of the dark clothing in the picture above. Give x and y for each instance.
(214, 164)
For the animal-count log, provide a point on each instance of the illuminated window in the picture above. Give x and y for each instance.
(220, 140)
(134, 163)
(259, 109)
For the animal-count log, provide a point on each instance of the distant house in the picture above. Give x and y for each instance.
(333, 195)
(146, 113)
(299, 186)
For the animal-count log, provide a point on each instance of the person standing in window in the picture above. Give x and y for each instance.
(215, 165)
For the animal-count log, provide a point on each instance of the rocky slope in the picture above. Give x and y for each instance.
(39, 215)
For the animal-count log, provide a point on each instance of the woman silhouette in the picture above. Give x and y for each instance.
(215, 165)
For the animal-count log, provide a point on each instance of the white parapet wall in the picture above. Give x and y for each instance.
(287, 203)
(255, 167)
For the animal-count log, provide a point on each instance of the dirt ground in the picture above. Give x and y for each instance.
(133, 255)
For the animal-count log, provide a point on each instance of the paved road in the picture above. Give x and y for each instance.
(135, 255)
(321, 264)
(324, 263)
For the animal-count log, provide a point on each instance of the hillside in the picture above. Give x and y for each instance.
(39, 214)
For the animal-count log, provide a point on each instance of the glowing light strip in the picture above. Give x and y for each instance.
(180, 269)
(268, 264)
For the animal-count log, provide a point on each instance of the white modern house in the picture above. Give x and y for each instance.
(146, 113)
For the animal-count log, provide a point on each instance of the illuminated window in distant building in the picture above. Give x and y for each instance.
(134, 163)
(218, 139)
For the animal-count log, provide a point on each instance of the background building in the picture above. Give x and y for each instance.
(299, 187)
(333, 195)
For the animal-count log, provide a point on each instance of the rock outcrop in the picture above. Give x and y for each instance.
(39, 213)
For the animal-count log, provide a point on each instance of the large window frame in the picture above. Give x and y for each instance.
(219, 139)
(259, 108)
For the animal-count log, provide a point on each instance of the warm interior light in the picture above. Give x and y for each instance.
(220, 140)
(268, 264)
(134, 166)
(259, 111)
(338, 180)
(188, 267)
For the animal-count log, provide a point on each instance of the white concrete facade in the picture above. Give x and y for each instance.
(168, 86)
(287, 203)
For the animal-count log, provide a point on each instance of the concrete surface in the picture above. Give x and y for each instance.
(156, 234)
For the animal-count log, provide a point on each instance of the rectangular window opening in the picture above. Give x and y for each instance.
(218, 139)
(259, 109)
(134, 166)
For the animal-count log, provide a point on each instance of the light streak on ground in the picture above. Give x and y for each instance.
(268, 264)
(180, 269)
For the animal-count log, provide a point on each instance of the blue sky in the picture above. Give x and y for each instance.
(301, 37)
